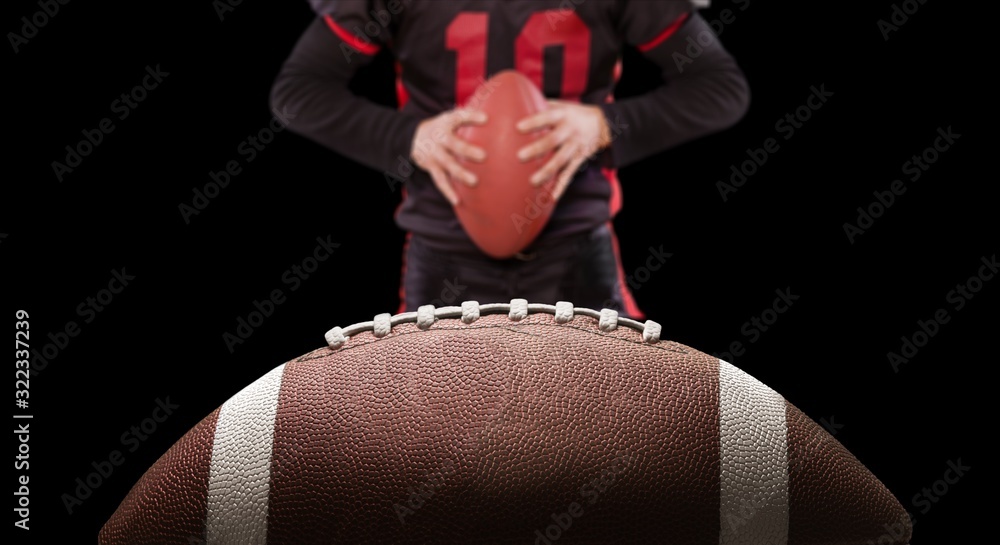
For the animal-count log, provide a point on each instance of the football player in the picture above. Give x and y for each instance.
(572, 50)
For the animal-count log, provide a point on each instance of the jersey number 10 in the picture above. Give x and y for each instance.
(467, 37)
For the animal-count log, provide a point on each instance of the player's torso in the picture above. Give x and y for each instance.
(446, 49)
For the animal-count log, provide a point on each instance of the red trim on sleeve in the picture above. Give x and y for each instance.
(667, 32)
(402, 95)
(366, 47)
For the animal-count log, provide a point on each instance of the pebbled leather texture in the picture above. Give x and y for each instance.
(754, 484)
(834, 498)
(502, 432)
(240, 474)
(168, 503)
(480, 433)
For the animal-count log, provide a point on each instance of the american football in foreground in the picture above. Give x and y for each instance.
(507, 424)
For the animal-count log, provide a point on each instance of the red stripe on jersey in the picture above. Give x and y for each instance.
(631, 308)
(402, 95)
(402, 276)
(368, 48)
(667, 32)
(615, 202)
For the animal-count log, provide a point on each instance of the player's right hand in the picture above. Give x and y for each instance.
(437, 149)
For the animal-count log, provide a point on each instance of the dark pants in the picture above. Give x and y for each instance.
(584, 270)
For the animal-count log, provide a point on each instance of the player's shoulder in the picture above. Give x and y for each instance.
(371, 7)
(664, 4)
(328, 7)
(654, 9)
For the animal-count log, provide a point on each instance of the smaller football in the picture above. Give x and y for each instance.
(503, 213)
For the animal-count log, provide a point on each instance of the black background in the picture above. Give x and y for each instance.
(162, 336)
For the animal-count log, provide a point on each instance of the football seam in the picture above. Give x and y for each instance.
(667, 346)
(428, 316)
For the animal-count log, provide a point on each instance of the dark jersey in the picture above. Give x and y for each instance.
(445, 49)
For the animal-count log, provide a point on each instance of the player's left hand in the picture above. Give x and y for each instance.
(576, 131)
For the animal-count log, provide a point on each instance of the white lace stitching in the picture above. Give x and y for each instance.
(470, 311)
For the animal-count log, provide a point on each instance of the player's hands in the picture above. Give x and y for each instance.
(437, 149)
(577, 131)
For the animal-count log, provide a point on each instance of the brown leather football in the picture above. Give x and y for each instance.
(507, 424)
